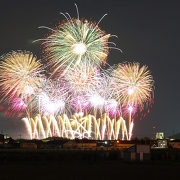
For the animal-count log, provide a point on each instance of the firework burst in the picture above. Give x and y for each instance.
(51, 98)
(19, 74)
(133, 85)
(74, 41)
(82, 79)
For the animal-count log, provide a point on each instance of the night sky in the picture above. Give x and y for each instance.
(148, 32)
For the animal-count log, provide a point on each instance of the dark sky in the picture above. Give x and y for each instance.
(148, 32)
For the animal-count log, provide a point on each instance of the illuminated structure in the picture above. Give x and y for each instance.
(73, 96)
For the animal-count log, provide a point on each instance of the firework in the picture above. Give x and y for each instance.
(51, 97)
(82, 79)
(77, 98)
(19, 74)
(75, 41)
(133, 87)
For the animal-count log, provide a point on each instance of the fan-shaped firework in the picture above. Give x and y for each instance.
(19, 74)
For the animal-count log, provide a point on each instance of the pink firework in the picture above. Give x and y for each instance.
(80, 104)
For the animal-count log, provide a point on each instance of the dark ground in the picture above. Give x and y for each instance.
(86, 165)
(90, 170)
